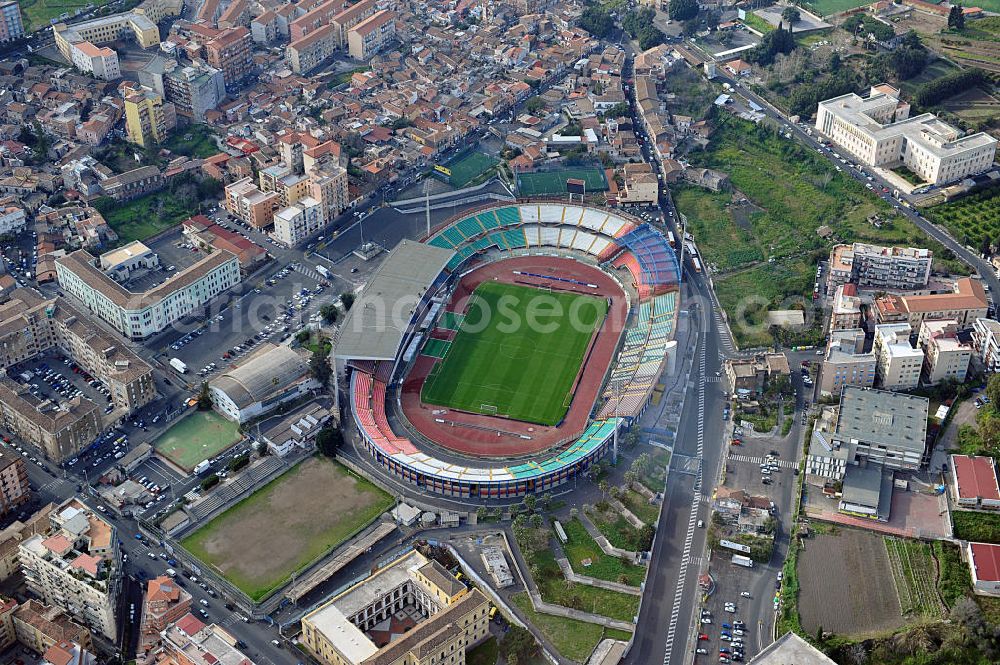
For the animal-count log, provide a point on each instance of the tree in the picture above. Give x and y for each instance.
(210, 482)
(597, 21)
(682, 10)
(347, 299)
(319, 365)
(985, 247)
(529, 503)
(791, 15)
(519, 643)
(993, 391)
(775, 42)
(619, 110)
(204, 398)
(603, 486)
(535, 521)
(535, 104)
(546, 501)
(630, 478)
(481, 514)
(956, 18)
(329, 313)
(329, 440)
(819, 633)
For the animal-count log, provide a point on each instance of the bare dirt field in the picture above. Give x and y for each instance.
(846, 584)
(258, 543)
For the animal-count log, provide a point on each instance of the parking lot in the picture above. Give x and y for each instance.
(55, 378)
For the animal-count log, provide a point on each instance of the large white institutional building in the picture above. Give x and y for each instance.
(878, 131)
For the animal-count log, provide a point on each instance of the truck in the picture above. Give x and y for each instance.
(179, 365)
(202, 467)
(323, 271)
(740, 560)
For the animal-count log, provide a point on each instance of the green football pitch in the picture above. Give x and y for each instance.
(467, 168)
(517, 353)
(197, 437)
(554, 182)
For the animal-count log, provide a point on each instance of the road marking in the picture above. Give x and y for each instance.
(784, 464)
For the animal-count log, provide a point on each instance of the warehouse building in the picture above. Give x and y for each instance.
(267, 378)
(974, 482)
(984, 564)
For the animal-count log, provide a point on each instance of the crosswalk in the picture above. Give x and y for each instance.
(308, 272)
(782, 464)
(57, 482)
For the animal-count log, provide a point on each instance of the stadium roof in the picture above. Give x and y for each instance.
(375, 325)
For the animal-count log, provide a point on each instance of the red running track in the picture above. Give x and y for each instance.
(501, 437)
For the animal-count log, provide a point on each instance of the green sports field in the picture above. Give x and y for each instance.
(197, 437)
(517, 353)
(554, 182)
(828, 7)
(468, 167)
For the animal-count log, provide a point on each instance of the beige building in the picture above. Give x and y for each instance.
(898, 364)
(986, 341)
(641, 184)
(371, 35)
(846, 363)
(878, 131)
(39, 627)
(148, 118)
(188, 641)
(256, 208)
(12, 537)
(947, 351)
(14, 488)
(880, 267)
(965, 304)
(846, 311)
(411, 612)
(60, 431)
(77, 567)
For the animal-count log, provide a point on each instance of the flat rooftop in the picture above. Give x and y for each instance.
(976, 477)
(879, 417)
(375, 325)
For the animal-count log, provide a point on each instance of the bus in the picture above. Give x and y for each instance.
(696, 263)
(671, 239)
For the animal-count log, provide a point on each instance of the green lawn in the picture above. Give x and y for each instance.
(145, 216)
(555, 589)
(197, 437)
(554, 182)
(827, 7)
(574, 639)
(640, 506)
(976, 527)
(757, 23)
(38, 13)
(619, 532)
(484, 654)
(196, 141)
(971, 218)
(581, 546)
(287, 525)
(655, 474)
(517, 354)
(469, 167)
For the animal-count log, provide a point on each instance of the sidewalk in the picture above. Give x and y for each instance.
(558, 610)
(567, 571)
(602, 542)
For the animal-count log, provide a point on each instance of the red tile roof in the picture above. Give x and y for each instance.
(986, 561)
(189, 625)
(976, 477)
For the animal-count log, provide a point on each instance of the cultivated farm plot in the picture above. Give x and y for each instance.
(287, 524)
(915, 575)
(197, 437)
(846, 585)
(975, 107)
(971, 218)
(504, 365)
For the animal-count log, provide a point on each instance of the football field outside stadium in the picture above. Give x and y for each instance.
(554, 182)
(517, 353)
(466, 168)
(197, 437)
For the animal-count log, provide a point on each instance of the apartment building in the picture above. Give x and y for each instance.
(165, 603)
(449, 619)
(15, 534)
(986, 342)
(148, 117)
(878, 131)
(39, 627)
(371, 35)
(264, 28)
(194, 89)
(874, 427)
(846, 363)
(188, 641)
(964, 304)
(304, 55)
(294, 224)
(100, 61)
(14, 488)
(245, 201)
(11, 25)
(231, 52)
(846, 313)
(898, 364)
(61, 431)
(319, 15)
(138, 315)
(12, 219)
(352, 16)
(77, 566)
(880, 267)
(947, 351)
(318, 34)
(328, 184)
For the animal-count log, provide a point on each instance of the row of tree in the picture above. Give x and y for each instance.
(773, 43)
(939, 89)
(639, 26)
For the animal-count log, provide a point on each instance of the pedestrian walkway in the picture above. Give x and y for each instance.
(308, 272)
(783, 464)
(560, 611)
(570, 575)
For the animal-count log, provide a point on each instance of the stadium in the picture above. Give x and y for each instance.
(499, 356)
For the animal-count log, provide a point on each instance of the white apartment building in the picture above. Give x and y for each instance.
(898, 364)
(100, 61)
(880, 267)
(878, 131)
(846, 363)
(986, 342)
(295, 223)
(76, 566)
(139, 315)
(12, 220)
(947, 351)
